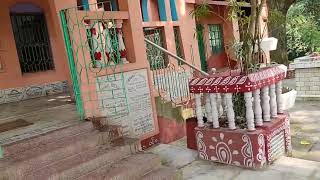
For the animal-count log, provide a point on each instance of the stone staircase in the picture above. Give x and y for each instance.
(81, 152)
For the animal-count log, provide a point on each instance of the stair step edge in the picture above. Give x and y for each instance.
(38, 157)
(48, 137)
(82, 163)
(133, 167)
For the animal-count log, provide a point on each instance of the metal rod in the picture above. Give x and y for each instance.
(176, 57)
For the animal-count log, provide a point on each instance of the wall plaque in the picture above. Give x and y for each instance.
(132, 102)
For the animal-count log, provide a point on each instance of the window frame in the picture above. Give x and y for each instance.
(216, 39)
(44, 56)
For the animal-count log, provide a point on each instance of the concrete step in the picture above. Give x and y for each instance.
(131, 168)
(87, 161)
(26, 144)
(163, 173)
(55, 150)
(44, 154)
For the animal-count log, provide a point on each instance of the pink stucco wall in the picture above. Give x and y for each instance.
(230, 34)
(12, 76)
(220, 16)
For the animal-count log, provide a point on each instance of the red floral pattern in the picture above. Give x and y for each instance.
(238, 83)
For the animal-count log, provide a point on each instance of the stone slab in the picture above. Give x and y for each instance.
(173, 155)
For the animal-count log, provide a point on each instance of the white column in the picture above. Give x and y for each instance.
(265, 104)
(230, 112)
(257, 108)
(273, 101)
(249, 111)
(214, 111)
(219, 105)
(208, 107)
(199, 110)
(279, 97)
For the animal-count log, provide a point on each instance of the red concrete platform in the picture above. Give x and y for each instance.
(240, 147)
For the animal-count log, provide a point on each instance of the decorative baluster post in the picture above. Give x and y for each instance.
(199, 110)
(208, 107)
(214, 111)
(273, 101)
(265, 104)
(219, 105)
(230, 112)
(249, 111)
(257, 108)
(279, 97)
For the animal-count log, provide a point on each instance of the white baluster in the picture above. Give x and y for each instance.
(219, 105)
(214, 111)
(230, 112)
(279, 97)
(257, 108)
(199, 110)
(249, 111)
(208, 108)
(273, 101)
(265, 104)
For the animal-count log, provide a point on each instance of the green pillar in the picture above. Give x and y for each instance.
(202, 47)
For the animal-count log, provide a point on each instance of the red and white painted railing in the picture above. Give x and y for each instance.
(262, 93)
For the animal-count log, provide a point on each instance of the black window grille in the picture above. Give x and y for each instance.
(178, 42)
(32, 42)
(157, 59)
(216, 38)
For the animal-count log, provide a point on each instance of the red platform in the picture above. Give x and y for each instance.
(243, 148)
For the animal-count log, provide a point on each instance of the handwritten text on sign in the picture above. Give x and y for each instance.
(135, 97)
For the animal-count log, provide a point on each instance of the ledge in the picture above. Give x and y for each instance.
(100, 14)
(219, 3)
(235, 83)
(160, 23)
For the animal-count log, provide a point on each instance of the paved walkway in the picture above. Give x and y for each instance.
(46, 113)
(305, 130)
(177, 155)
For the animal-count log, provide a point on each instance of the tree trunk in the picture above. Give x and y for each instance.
(277, 28)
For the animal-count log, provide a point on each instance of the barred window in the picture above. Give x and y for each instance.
(157, 59)
(216, 38)
(32, 38)
(178, 41)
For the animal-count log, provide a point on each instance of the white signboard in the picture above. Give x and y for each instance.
(129, 96)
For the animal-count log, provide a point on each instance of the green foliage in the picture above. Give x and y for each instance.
(201, 10)
(248, 51)
(303, 29)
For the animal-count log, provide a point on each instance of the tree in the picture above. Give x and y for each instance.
(303, 29)
(277, 27)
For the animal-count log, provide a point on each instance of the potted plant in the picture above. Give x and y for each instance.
(289, 96)
(246, 123)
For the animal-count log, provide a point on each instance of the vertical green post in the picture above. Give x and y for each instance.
(1, 152)
(201, 45)
(73, 70)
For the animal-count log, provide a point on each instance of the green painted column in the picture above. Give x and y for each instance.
(1, 152)
(202, 47)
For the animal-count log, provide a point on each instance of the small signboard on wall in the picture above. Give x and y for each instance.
(139, 118)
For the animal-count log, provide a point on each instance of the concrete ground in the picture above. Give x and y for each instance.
(177, 155)
(305, 130)
(305, 127)
(46, 113)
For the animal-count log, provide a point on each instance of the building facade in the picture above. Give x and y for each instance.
(96, 50)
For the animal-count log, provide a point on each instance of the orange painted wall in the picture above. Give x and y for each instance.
(12, 76)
